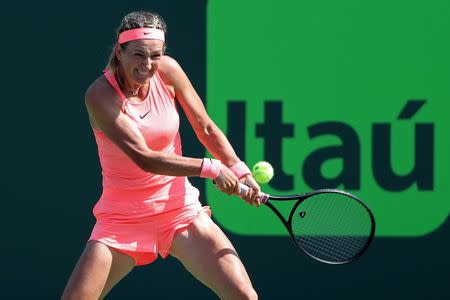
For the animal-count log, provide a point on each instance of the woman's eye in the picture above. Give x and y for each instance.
(139, 54)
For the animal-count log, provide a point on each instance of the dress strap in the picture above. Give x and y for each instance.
(113, 81)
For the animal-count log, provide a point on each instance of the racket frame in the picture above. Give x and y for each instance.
(265, 199)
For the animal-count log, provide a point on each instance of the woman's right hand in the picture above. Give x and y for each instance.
(227, 182)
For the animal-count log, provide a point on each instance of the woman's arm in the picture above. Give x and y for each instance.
(104, 108)
(105, 114)
(206, 130)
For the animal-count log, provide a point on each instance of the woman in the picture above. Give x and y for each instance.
(148, 206)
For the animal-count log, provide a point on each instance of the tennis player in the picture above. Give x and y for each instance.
(148, 207)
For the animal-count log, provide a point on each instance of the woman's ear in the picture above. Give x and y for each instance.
(118, 52)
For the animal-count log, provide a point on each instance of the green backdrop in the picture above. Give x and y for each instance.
(355, 63)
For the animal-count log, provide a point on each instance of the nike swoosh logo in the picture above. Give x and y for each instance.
(143, 116)
(145, 33)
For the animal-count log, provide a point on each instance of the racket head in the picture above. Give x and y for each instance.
(331, 226)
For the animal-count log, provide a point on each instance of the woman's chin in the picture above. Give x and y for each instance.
(142, 78)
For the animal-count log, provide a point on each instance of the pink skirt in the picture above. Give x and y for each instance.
(144, 237)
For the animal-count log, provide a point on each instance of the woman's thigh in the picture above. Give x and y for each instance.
(209, 255)
(97, 271)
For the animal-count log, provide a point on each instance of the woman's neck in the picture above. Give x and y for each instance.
(132, 89)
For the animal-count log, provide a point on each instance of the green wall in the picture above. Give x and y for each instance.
(53, 50)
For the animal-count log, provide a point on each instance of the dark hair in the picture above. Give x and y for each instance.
(136, 19)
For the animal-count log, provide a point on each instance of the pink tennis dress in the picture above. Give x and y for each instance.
(138, 212)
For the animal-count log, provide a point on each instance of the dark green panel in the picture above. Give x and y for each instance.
(51, 178)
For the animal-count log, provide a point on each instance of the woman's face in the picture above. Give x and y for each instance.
(140, 59)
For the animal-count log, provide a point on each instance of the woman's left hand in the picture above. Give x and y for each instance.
(252, 195)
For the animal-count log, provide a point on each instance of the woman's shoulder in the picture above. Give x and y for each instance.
(168, 63)
(169, 68)
(170, 72)
(101, 91)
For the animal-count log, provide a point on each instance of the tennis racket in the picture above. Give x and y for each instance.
(331, 226)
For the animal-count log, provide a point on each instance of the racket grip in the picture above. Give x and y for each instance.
(262, 197)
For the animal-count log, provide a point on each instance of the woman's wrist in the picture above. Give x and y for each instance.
(210, 168)
(240, 169)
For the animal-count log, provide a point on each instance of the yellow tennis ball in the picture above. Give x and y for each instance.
(262, 172)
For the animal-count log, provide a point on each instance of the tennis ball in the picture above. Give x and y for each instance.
(262, 172)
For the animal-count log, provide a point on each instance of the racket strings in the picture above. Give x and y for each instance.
(332, 227)
(325, 248)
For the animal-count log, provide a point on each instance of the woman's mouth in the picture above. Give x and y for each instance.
(143, 72)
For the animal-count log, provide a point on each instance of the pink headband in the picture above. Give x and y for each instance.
(145, 33)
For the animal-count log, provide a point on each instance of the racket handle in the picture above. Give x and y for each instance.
(262, 197)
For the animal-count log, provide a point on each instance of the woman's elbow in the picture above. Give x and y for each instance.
(207, 131)
(146, 161)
